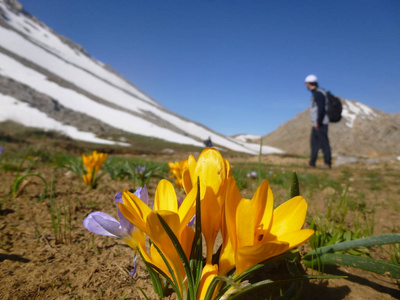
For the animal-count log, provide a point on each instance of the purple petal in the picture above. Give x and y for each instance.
(125, 224)
(142, 194)
(134, 267)
(118, 198)
(191, 222)
(180, 200)
(103, 224)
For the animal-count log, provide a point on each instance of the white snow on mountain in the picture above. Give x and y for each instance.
(78, 102)
(352, 110)
(245, 138)
(43, 36)
(123, 107)
(20, 112)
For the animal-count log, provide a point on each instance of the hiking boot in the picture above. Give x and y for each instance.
(326, 166)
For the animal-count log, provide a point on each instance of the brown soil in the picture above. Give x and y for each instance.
(81, 265)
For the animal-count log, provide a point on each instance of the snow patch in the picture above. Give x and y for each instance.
(20, 112)
(353, 110)
(245, 138)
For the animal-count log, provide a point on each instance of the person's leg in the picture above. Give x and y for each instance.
(324, 143)
(314, 145)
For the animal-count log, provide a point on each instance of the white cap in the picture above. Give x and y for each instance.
(311, 78)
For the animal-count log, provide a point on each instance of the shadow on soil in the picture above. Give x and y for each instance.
(320, 290)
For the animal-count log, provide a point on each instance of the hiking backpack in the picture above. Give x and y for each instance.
(333, 108)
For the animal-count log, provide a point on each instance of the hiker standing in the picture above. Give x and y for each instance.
(319, 132)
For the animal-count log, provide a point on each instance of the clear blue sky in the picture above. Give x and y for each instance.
(238, 66)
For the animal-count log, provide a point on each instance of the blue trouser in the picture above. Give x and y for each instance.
(319, 140)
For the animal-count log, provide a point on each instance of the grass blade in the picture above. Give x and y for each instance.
(143, 293)
(196, 259)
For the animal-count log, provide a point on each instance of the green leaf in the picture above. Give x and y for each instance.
(196, 258)
(18, 181)
(286, 255)
(360, 262)
(252, 269)
(217, 280)
(294, 189)
(354, 244)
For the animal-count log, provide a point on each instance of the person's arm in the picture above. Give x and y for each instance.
(319, 99)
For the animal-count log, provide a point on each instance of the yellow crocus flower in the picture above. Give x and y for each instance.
(177, 168)
(166, 205)
(213, 171)
(92, 164)
(255, 231)
(93, 161)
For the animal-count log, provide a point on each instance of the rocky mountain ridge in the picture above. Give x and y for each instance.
(363, 132)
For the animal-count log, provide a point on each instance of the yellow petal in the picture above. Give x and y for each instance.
(158, 261)
(188, 207)
(232, 200)
(159, 236)
(134, 209)
(227, 257)
(245, 223)
(264, 205)
(135, 239)
(186, 181)
(189, 176)
(157, 233)
(251, 255)
(186, 240)
(211, 169)
(289, 216)
(210, 221)
(165, 197)
(296, 238)
(207, 275)
(87, 178)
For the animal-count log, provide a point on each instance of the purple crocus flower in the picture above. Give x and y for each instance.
(1, 149)
(140, 169)
(252, 174)
(104, 224)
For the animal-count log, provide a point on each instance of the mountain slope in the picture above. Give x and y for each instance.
(363, 131)
(47, 81)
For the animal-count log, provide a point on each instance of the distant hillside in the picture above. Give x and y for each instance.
(47, 81)
(363, 131)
